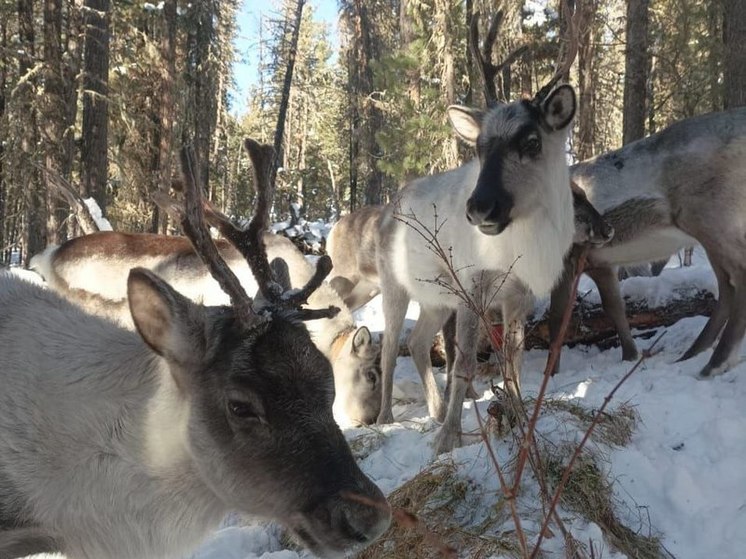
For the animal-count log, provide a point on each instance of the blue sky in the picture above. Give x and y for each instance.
(250, 14)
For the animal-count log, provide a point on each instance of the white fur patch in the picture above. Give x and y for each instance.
(166, 436)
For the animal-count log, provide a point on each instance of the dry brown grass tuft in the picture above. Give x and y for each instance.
(615, 427)
(588, 493)
(431, 520)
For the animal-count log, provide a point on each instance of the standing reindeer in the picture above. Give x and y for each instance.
(124, 445)
(352, 246)
(682, 185)
(509, 242)
(92, 272)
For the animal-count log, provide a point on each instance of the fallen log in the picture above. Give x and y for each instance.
(589, 324)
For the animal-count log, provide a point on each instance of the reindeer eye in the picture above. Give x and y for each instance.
(242, 410)
(532, 146)
(372, 376)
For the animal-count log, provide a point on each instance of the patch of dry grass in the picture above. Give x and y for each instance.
(615, 427)
(437, 506)
(588, 493)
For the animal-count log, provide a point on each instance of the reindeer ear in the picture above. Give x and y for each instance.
(559, 107)
(362, 343)
(161, 315)
(281, 273)
(466, 121)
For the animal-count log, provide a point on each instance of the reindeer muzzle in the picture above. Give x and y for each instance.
(491, 215)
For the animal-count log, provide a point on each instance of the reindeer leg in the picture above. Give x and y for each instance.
(559, 300)
(605, 278)
(361, 294)
(449, 342)
(514, 311)
(728, 349)
(20, 542)
(467, 330)
(420, 340)
(395, 302)
(719, 315)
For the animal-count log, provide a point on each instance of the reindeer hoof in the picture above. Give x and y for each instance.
(630, 354)
(472, 394)
(446, 440)
(709, 371)
(385, 417)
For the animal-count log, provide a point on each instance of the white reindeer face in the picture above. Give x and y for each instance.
(519, 147)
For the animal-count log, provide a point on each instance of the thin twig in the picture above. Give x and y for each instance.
(554, 353)
(596, 420)
(508, 492)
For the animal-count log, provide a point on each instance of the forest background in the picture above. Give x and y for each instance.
(98, 96)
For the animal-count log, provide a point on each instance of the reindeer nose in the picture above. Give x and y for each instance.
(477, 210)
(364, 514)
(608, 233)
(363, 522)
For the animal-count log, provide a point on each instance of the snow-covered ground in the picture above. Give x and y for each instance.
(681, 478)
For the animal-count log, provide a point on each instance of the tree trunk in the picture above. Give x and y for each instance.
(586, 79)
(301, 186)
(372, 117)
(636, 69)
(354, 145)
(448, 73)
(166, 112)
(3, 184)
(55, 115)
(406, 38)
(734, 42)
(287, 83)
(203, 73)
(94, 155)
(470, 73)
(35, 199)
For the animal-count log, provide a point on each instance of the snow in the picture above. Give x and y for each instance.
(682, 476)
(97, 215)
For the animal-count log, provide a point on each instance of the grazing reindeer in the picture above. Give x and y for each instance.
(682, 185)
(92, 271)
(510, 240)
(124, 445)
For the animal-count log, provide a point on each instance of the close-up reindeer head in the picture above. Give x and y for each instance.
(519, 145)
(259, 391)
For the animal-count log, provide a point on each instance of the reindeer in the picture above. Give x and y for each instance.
(353, 240)
(680, 186)
(124, 445)
(508, 243)
(351, 244)
(92, 271)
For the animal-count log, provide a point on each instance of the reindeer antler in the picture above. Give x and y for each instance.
(563, 66)
(487, 69)
(249, 242)
(196, 230)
